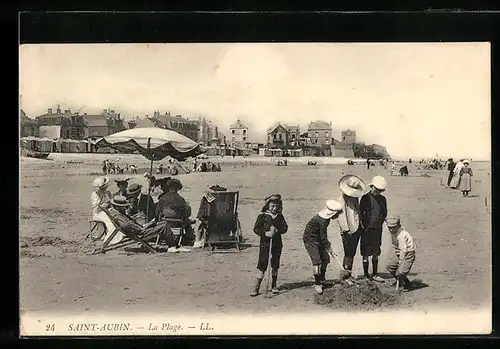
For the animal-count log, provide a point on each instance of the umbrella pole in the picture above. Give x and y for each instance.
(151, 174)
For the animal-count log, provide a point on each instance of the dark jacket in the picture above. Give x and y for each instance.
(264, 222)
(172, 205)
(316, 231)
(373, 210)
(451, 166)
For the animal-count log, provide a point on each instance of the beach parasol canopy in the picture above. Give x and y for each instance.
(163, 143)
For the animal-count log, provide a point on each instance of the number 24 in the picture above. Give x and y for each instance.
(49, 327)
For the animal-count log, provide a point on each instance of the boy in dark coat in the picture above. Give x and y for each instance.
(373, 207)
(316, 241)
(270, 225)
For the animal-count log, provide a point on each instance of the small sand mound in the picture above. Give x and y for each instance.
(425, 175)
(363, 295)
(33, 241)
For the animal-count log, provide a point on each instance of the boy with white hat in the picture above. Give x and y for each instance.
(404, 246)
(373, 207)
(316, 241)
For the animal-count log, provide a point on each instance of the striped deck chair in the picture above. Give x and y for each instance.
(131, 235)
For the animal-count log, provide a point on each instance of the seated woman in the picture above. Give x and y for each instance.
(173, 206)
(203, 214)
(101, 197)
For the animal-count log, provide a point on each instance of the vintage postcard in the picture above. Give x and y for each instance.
(255, 189)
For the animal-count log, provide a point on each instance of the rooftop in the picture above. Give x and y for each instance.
(320, 125)
(102, 122)
(238, 125)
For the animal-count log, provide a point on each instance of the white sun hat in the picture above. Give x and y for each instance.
(101, 182)
(331, 207)
(352, 186)
(379, 182)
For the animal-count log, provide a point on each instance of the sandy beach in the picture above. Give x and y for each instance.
(58, 274)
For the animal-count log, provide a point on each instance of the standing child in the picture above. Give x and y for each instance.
(465, 178)
(405, 253)
(393, 168)
(316, 241)
(373, 207)
(270, 225)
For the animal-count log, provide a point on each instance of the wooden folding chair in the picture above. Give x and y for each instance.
(223, 225)
(93, 225)
(130, 237)
(177, 228)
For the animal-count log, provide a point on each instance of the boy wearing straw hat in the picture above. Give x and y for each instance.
(269, 226)
(404, 247)
(316, 241)
(352, 188)
(373, 207)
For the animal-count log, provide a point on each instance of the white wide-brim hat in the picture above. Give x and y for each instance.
(352, 186)
(379, 182)
(101, 182)
(331, 207)
(466, 162)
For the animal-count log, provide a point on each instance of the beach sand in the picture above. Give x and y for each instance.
(57, 273)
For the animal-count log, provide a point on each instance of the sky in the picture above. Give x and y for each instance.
(416, 99)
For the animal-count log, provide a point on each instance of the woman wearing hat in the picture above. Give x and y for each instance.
(269, 226)
(172, 205)
(352, 188)
(102, 197)
(465, 178)
(316, 241)
(204, 214)
(122, 184)
(373, 207)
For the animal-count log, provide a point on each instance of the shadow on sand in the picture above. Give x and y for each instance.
(417, 284)
(306, 284)
(388, 276)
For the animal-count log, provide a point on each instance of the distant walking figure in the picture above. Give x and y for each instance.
(455, 181)
(465, 178)
(451, 167)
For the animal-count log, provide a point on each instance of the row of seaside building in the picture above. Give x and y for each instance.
(71, 128)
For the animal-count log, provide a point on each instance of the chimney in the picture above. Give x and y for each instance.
(49, 110)
(58, 109)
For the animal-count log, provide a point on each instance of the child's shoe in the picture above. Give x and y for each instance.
(255, 291)
(377, 278)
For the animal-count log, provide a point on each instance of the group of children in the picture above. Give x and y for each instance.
(360, 215)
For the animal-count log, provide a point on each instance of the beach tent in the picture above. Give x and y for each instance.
(46, 144)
